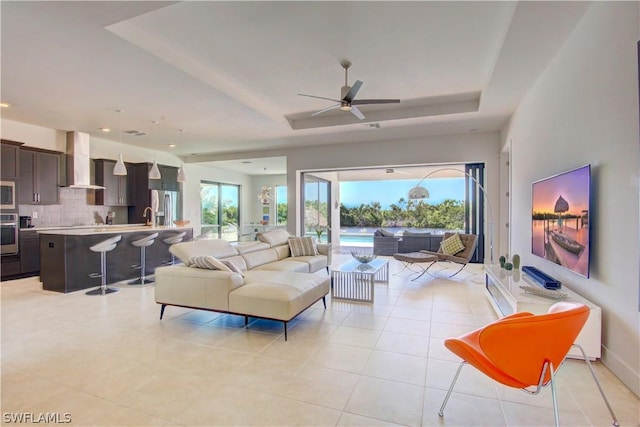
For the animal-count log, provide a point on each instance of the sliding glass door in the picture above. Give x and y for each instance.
(474, 207)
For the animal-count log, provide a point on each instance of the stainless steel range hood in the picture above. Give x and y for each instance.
(78, 162)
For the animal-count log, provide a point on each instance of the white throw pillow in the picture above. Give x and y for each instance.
(302, 246)
(208, 262)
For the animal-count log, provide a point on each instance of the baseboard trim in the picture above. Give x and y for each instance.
(628, 376)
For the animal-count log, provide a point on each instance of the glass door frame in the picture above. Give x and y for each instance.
(303, 199)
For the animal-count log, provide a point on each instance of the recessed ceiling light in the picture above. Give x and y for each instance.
(5, 105)
(373, 125)
(246, 162)
(172, 145)
(105, 129)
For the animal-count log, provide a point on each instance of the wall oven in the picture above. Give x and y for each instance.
(7, 195)
(8, 234)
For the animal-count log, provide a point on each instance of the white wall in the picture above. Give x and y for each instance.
(584, 109)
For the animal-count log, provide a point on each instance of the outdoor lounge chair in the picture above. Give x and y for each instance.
(470, 241)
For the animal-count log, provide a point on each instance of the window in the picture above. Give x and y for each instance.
(220, 211)
(281, 205)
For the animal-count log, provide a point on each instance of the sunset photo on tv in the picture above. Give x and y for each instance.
(560, 219)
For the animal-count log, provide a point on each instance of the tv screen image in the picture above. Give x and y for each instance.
(560, 219)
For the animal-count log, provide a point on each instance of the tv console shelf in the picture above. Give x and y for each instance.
(503, 290)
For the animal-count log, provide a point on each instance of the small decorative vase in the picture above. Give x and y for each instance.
(508, 266)
(503, 260)
(516, 261)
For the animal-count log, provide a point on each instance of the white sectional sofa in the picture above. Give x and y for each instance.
(268, 282)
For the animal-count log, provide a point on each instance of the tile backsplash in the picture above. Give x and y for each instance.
(77, 207)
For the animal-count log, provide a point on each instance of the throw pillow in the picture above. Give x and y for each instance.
(302, 246)
(233, 267)
(452, 245)
(208, 262)
(386, 233)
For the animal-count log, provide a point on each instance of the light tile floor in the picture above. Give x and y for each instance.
(110, 361)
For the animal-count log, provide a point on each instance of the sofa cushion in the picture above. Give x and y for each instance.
(452, 245)
(302, 246)
(386, 233)
(291, 264)
(274, 237)
(249, 247)
(232, 266)
(214, 247)
(238, 261)
(415, 233)
(277, 294)
(315, 262)
(255, 259)
(284, 251)
(208, 262)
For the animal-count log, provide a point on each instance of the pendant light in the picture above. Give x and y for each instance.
(154, 173)
(120, 169)
(182, 175)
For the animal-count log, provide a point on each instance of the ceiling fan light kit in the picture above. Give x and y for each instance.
(348, 93)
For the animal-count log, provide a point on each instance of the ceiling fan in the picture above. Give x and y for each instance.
(347, 94)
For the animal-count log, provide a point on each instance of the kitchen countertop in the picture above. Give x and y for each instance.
(106, 229)
(77, 227)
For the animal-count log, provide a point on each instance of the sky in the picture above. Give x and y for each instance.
(355, 193)
(573, 186)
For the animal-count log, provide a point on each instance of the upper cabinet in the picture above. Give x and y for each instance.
(117, 188)
(168, 181)
(141, 184)
(10, 160)
(39, 177)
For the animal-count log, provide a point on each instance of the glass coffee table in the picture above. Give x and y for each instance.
(353, 281)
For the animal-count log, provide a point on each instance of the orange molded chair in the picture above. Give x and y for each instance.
(524, 351)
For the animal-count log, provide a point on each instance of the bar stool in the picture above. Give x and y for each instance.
(172, 240)
(142, 244)
(103, 247)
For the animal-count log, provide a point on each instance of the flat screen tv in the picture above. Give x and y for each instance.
(560, 230)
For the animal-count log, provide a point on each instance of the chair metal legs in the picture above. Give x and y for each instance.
(595, 378)
(446, 398)
(552, 382)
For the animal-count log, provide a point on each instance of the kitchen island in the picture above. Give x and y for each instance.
(66, 260)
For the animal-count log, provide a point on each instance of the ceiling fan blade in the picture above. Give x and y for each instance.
(375, 101)
(356, 112)
(320, 97)
(333, 107)
(352, 92)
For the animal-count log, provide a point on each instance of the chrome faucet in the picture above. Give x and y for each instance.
(151, 221)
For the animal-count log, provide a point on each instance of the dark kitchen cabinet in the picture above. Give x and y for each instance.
(117, 188)
(141, 197)
(168, 181)
(10, 160)
(9, 266)
(29, 252)
(39, 175)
